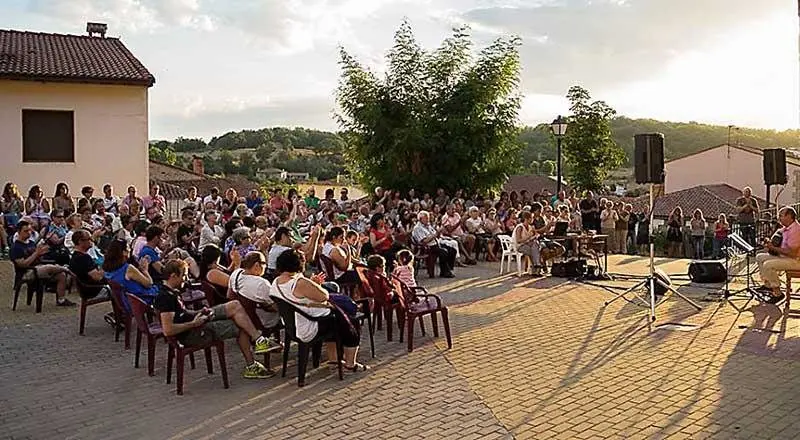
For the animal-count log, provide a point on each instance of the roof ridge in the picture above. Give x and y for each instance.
(54, 34)
(179, 168)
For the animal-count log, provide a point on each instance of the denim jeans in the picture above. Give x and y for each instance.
(699, 244)
(716, 245)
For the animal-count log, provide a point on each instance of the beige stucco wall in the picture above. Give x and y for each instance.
(111, 135)
(736, 167)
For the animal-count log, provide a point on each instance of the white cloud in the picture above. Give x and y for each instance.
(127, 15)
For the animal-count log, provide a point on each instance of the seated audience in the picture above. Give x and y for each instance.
(225, 321)
(27, 254)
(404, 271)
(249, 282)
(341, 259)
(92, 278)
(132, 279)
(446, 250)
(310, 297)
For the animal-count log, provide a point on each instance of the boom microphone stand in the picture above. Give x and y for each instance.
(651, 280)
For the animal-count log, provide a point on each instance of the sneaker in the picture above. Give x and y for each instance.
(266, 345)
(65, 303)
(256, 371)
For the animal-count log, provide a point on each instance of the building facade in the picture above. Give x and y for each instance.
(735, 165)
(73, 109)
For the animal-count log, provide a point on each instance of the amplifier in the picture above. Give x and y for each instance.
(710, 271)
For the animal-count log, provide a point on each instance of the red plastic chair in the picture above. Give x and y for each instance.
(379, 288)
(86, 302)
(180, 351)
(418, 303)
(422, 253)
(121, 315)
(142, 313)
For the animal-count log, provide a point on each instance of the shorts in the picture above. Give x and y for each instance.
(218, 329)
(44, 272)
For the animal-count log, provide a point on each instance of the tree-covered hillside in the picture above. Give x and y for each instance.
(320, 153)
(682, 138)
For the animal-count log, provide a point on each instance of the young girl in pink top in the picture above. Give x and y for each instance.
(405, 268)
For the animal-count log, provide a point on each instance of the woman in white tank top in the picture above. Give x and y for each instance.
(307, 295)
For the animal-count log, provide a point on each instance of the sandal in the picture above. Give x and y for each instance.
(356, 368)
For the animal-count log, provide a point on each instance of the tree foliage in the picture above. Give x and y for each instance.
(588, 145)
(162, 152)
(445, 118)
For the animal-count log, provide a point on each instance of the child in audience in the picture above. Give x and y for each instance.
(405, 268)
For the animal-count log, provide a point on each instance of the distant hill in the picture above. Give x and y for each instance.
(320, 153)
(681, 138)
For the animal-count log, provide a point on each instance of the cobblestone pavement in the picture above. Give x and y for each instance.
(531, 359)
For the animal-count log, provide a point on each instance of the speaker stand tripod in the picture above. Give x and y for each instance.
(651, 280)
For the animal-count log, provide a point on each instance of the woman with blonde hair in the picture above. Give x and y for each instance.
(698, 226)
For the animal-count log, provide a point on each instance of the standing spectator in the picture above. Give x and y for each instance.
(590, 212)
(37, 208)
(643, 231)
(721, 229)
(192, 201)
(62, 199)
(110, 201)
(154, 203)
(633, 220)
(561, 199)
(441, 198)
(11, 205)
(131, 198)
(621, 230)
(608, 225)
(747, 207)
(675, 233)
(698, 226)
(213, 198)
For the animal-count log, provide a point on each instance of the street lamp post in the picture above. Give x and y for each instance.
(559, 129)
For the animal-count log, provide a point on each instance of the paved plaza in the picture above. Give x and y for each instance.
(531, 358)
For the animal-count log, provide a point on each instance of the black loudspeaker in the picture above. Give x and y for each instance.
(661, 275)
(707, 272)
(775, 166)
(648, 158)
(569, 269)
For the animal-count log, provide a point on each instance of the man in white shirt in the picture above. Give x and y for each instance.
(248, 281)
(211, 233)
(446, 250)
(214, 198)
(282, 242)
(110, 201)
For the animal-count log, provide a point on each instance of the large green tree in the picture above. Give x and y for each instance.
(589, 147)
(446, 118)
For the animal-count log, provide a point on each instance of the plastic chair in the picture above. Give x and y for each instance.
(422, 253)
(287, 312)
(33, 284)
(213, 296)
(180, 351)
(145, 326)
(379, 288)
(327, 265)
(122, 315)
(510, 253)
(418, 303)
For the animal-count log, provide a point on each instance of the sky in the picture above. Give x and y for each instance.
(227, 65)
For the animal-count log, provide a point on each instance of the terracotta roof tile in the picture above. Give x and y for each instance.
(534, 183)
(713, 200)
(69, 58)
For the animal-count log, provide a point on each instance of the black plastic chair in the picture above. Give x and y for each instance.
(33, 284)
(287, 311)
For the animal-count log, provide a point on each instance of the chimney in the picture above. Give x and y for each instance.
(96, 28)
(197, 165)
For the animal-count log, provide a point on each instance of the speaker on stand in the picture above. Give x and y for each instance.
(649, 168)
(774, 169)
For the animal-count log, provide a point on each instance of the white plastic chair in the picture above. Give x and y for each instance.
(509, 253)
